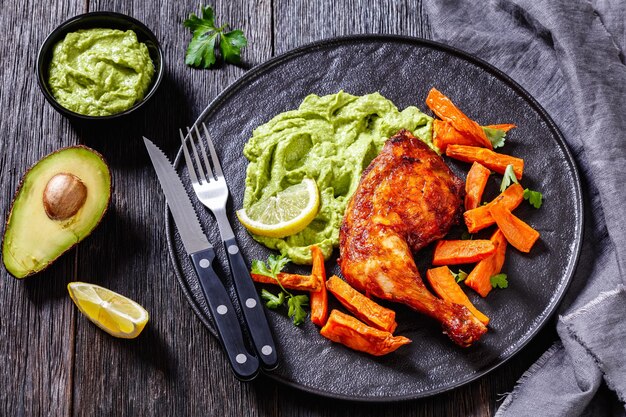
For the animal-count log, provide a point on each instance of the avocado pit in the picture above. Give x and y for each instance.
(63, 196)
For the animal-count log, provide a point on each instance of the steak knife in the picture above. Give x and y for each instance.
(201, 252)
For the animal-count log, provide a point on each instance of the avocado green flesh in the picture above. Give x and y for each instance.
(100, 72)
(31, 239)
(331, 139)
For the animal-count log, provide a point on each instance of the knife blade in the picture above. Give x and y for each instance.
(178, 201)
(244, 364)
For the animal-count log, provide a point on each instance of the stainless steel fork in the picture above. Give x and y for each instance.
(210, 186)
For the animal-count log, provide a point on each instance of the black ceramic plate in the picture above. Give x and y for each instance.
(403, 70)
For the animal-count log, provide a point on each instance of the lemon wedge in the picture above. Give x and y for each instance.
(115, 314)
(285, 214)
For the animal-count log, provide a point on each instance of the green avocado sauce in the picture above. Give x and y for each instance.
(100, 72)
(330, 139)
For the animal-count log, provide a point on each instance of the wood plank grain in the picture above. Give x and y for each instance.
(301, 22)
(36, 315)
(175, 368)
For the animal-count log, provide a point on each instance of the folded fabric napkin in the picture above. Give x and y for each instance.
(569, 54)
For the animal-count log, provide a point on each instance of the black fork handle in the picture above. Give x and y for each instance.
(251, 306)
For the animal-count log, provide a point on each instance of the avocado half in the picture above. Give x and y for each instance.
(61, 199)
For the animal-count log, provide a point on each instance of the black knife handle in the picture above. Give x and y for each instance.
(251, 307)
(245, 365)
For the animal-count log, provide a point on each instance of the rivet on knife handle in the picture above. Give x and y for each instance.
(244, 364)
(251, 307)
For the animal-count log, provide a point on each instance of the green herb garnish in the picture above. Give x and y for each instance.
(296, 310)
(206, 38)
(499, 281)
(273, 301)
(460, 276)
(495, 136)
(275, 264)
(535, 198)
(295, 303)
(508, 178)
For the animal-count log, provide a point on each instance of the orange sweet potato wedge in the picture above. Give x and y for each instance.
(455, 252)
(444, 284)
(494, 161)
(290, 281)
(519, 234)
(443, 107)
(480, 278)
(475, 185)
(362, 307)
(445, 134)
(319, 298)
(480, 218)
(503, 126)
(355, 334)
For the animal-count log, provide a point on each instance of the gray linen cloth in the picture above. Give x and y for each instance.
(569, 54)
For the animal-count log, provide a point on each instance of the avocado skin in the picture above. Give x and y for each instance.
(20, 187)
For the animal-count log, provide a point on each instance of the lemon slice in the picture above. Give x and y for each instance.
(115, 314)
(285, 214)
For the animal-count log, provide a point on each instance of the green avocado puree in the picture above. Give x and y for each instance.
(100, 72)
(331, 139)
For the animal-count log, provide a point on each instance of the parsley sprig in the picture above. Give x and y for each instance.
(207, 37)
(499, 281)
(535, 198)
(496, 136)
(459, 276)
(508, 178)
(295, 303)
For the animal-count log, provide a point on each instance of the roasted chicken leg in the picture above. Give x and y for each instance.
(407, 198)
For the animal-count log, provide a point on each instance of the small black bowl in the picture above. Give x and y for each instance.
(105, 20)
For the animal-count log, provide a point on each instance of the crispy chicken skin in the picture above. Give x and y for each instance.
(407, 198)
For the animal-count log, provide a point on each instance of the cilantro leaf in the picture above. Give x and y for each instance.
(296, 311)
(259, 267)
(535, 198)
(295, 303)
(466, 235)
(206, 37)
(499, 281)
(277, 263)
(273, 301)
(460, 276)
(205, 23)
(231, 45)
(508, 178)
(495, 136)
(201, 51)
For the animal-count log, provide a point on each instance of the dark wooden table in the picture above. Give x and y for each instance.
(55, 362)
